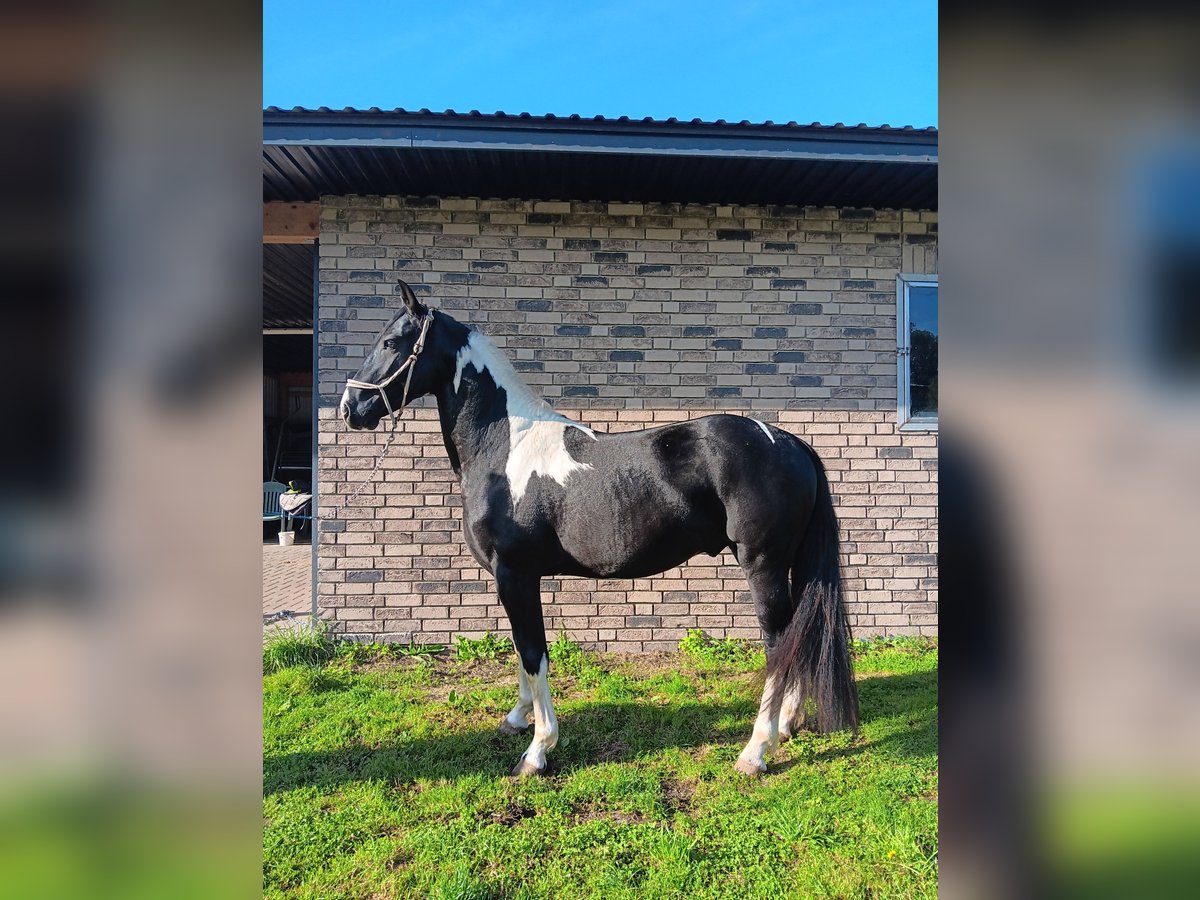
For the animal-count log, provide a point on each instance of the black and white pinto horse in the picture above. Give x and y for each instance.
(544, 496)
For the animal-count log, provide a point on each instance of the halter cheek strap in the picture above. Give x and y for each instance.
(410, 365)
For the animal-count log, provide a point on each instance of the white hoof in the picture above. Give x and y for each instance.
(750, 767)
(525, 768)
(506, 727)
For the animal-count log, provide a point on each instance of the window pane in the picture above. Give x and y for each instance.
(922, 345)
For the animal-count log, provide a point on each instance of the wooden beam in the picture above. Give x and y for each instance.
(290, 223)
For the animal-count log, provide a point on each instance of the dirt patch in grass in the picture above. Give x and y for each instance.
(612, 749)
(402, 858)
(510, 814)
(677, 794)
(645, 665)
(441, 666)
(451, 675)
(589, 812)
(382, 665)
(483, 669)
(446, 673)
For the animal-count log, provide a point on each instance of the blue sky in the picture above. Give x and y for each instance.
(859, 61)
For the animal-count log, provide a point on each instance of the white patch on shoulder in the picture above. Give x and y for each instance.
(537, 447)
(766, 430)
(536, 433)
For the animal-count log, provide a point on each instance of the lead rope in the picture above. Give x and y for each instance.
(410, 365)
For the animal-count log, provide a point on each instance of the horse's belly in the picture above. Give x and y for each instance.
(641, 541)
(647, 567)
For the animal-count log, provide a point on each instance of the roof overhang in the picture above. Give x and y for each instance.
(309, 153)
(288, 299)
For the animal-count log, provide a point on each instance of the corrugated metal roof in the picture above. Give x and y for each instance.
(575, 117)
(288, 285)
(307, 153)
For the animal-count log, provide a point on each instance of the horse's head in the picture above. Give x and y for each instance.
(408, 360)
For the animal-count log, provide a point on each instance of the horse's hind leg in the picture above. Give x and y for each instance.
(771, 592)
(517, 721)
(521, 596)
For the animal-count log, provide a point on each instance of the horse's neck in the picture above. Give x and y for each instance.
(483, 403)
(469, 416)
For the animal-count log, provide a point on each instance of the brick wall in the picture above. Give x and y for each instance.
(625, 315)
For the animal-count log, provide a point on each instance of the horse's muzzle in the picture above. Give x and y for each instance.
(356, 413)
(361, 416)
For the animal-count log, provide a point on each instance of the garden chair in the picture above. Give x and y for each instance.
(272, 512)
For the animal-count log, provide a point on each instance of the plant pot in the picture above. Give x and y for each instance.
(287, 538)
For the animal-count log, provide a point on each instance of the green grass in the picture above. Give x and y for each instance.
(386, 777)
(717, 653)
(490, 646)
(299, 645)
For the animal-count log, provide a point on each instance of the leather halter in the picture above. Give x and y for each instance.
(410, 365)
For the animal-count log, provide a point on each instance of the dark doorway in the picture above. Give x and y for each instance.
(288, 372)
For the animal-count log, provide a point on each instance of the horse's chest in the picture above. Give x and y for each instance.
(488, 524)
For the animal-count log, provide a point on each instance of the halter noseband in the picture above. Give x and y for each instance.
(409, 365)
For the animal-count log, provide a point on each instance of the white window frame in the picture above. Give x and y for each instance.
(904, 416)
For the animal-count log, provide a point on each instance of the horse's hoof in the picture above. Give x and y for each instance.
(525, 768)
(508, 728)
(789, 730)
(750, 768)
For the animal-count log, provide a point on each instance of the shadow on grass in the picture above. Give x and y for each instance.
(602, 732)
(910, 700)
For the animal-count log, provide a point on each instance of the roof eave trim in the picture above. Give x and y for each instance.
(629, 141)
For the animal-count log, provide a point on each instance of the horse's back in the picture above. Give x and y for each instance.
(654, 498)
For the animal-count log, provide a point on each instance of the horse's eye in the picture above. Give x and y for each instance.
(389, 344)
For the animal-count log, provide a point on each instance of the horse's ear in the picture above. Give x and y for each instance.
(411, 303)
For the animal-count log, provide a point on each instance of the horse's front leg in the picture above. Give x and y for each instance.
(521, 596)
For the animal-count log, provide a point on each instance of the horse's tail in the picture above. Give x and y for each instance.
(811, 659)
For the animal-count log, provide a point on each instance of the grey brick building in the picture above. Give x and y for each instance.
(636, 273)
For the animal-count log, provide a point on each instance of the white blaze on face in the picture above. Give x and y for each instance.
(536, 433)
